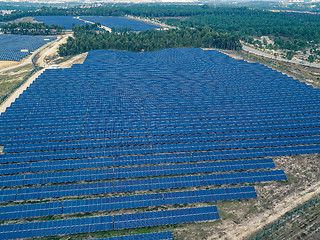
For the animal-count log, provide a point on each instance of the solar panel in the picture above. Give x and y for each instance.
(124, 202)
(147, 219)
(56, 227)
(145, 236)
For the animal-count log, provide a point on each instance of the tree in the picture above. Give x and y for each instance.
(265, 42)
(290, 55)
(311, 58)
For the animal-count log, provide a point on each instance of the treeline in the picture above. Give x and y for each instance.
(143, 10)
(304, 28)
(298, 30)
(27, 28)
(89, 37)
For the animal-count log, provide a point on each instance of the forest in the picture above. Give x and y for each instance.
(297, 28)
(27, 28)
(90, 37)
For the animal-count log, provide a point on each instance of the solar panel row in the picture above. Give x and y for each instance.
(130, 172)
(124, 202)
(146, 236)
(139, 185)
(143, 144)
(107, 223)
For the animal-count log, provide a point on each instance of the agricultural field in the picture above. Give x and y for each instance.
(17, 47)
(65, 21)
(131, 143)
(119, 22)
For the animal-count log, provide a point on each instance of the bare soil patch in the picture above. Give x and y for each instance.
(5, 64)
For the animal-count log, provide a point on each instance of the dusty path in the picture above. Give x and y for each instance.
(263, 54)
(51, 50)
(260, 220)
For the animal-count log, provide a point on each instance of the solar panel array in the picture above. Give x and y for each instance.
(66, 21)
(11, 46)
(107, 223)
(125, 123)
(124, 202)
(146, 236)
(119, 22)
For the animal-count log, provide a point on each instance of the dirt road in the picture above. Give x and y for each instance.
(263, 54)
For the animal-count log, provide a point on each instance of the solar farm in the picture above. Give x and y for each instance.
(17, 47)
(138, 140)
(119, 22)
(65, 21)
(116, 22)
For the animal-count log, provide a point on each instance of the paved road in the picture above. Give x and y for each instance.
(260, 53)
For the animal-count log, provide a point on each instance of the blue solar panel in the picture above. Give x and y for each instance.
(56, 227)
(244, 177)
(124, 202)
(235, 165)
(30, 210)
(209, 195)
(146, 236)
(65, 21)
(147, 219)
(119, 22)
(11, 46)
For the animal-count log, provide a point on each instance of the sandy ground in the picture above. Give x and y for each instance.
(5, 64)
(51, 51)
(261, 220)
(78, 59)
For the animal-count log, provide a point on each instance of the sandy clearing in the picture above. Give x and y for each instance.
(78, 59)
(261, 220)
(19, 91)
(5, 64)
(51, 50)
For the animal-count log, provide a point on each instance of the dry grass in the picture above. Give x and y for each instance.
(11, 78)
